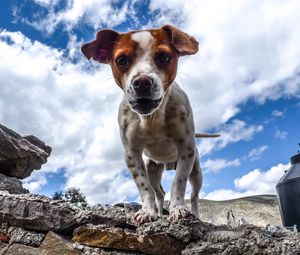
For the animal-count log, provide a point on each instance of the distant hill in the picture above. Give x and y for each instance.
(257, 210)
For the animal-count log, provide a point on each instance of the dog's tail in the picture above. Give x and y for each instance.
(204, 135)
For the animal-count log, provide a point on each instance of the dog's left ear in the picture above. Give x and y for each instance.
(183, 43)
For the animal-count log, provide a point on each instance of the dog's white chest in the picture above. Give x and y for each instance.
(161, 149)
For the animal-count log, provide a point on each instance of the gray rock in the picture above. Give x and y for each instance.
(20, 155)
(22, 236)
(40, 213)
(20, 249)
(246, 240)
(12, 185)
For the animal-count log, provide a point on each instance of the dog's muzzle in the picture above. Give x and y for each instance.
(145, 105)
(144, 102)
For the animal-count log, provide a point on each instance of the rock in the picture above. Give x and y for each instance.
(233, 222)
(55, 244)
(123, 239)
(20, 249)
(12, 185)
(40, 213)
(86, 250)
(3, 238)
(246, 240)
(20, 155)
(22, 236)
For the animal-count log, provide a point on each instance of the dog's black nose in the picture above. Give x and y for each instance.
(142, 82)
(143, 86)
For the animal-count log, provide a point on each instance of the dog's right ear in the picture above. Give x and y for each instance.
(100, 49)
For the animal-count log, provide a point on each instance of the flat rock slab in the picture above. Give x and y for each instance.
(20, 249)
(123, 239)
(55, 244)
(20, 155)
(34, 212)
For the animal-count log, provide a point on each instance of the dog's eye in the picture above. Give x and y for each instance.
(122, 61)
(163, 58)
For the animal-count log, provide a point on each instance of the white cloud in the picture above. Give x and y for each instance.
(281, 134)
(35, 182)
(236, 131)
(256, 153)
(256, 182)
(216, 165)
(94, 13)
(277, 113)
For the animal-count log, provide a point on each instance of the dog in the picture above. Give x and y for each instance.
(155, 117)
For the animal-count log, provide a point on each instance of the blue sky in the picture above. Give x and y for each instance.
(244, 83)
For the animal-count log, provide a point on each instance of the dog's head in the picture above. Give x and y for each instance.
(144, 63)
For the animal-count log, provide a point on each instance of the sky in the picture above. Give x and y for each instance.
(244, 83)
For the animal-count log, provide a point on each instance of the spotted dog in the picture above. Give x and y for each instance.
(155, 117)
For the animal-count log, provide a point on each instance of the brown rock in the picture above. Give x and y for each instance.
(55, 244)
(123, 239)
(20, 155)
(20, 249)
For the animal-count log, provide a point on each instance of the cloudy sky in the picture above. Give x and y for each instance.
(244, 84)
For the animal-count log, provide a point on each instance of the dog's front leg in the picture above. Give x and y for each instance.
(137, 168)
(186, 158)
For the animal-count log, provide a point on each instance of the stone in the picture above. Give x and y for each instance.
(20, 155)
(40, 213)
(12, 185)
(22, 236)
(20, 249)
(55, 244)
(124, 239)
(246, 240)
(3, 238)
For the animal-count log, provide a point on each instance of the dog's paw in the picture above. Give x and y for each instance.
(179, 213)
(143, 216)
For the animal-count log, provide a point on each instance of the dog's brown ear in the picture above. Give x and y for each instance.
(100, 49)
(183, 43)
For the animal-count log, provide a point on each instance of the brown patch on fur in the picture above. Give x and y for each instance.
(146, 189)
(142, 184)
(162, 43)
(131, 166)
(129, 157)
(127, 47)
(135, 175)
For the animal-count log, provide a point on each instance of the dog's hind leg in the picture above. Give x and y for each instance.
(155, 171)
(195, 179)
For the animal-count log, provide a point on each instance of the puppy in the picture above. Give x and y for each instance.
(155, 116)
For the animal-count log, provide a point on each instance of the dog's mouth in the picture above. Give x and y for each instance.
(145, 105)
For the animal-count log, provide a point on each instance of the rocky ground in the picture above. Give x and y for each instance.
(32, 224)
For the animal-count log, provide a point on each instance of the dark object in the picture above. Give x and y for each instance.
(288, 191)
